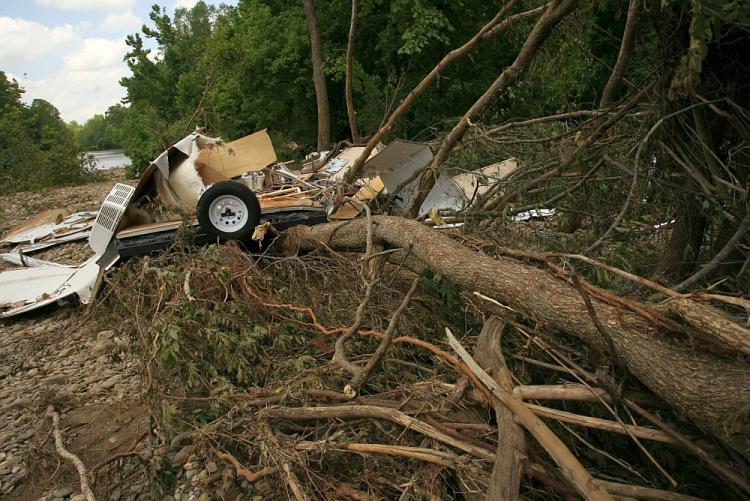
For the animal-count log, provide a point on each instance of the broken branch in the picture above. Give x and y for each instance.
(83, 473)
(571, 468)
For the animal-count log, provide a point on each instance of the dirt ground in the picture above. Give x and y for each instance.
(61, 356)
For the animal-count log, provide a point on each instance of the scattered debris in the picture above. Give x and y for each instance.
(51, 227)
(226, 191)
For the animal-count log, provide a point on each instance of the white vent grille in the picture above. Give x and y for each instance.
(109, 217)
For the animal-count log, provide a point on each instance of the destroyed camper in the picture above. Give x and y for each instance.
(237, 190)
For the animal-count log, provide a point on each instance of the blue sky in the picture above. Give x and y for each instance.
(70, 52)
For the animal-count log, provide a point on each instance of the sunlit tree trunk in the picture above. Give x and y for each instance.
(321, 91)
(348, 79)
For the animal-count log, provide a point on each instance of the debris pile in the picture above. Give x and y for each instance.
(338, 363)
(344, 376)
(237, 190)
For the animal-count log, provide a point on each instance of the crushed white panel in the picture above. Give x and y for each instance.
(185, 181)
(45, 244)
(109, 217)
(533, 214)
(32, 234)
(80, 221)
(446, 194)
(334, 165)
(397, 162)
(29, 262)
(479, 181)
(31, 288)
(27, 285)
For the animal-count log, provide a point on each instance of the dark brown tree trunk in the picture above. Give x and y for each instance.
(510, 458)
(556, 11)
(321, 91)
(682, 251)
(356, 139)
(623, 57)
(711, 390)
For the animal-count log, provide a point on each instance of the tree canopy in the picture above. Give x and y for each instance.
(37, 148)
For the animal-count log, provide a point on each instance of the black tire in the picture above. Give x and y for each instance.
(242, 198)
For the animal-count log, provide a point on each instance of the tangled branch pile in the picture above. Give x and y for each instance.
(329, 375)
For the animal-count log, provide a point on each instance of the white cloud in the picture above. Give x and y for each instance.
(96, 53)
(122, 21)
(188, 4)
(86, 83)
(101, 5)
(23, 41)
(78, 95)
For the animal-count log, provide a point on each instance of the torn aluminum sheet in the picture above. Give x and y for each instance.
(47, 219)
(386, 168)
(183, 171)
(337, 167)
(397, 162)
(477, 183)
(401, 160)
(46, 244)
(25, 261)
(50, 225)
(459, 192)
(533, 214)
(27, 289)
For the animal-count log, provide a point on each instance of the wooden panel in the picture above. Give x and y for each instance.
(148, 228)
(365, 194)
(248, 154)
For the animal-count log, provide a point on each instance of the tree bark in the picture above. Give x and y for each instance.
(511, 443)
(626, 49)
(556, 11)
(571, 468)
(683, 248)
(488, 31)
(713, 391)
(321, 91)
(356, 139)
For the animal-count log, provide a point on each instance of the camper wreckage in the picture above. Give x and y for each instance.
(236, 190)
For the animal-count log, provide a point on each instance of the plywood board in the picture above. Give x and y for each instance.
(481, 180)
(367, 193)
(248, 154)
(266, 203)
(142, 229)
(210, 176)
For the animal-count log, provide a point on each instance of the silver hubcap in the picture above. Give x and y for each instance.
(228, 213)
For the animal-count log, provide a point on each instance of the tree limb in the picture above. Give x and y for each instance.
(83, 473)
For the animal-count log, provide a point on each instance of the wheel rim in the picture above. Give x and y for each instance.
(228, 213)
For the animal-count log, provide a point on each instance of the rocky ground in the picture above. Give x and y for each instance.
(66, 357)
(62, 357)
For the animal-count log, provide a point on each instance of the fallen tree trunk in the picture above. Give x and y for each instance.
(711, 390)
(505, 481)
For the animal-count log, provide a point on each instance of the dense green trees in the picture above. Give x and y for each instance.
(237, 69)
(36, 147)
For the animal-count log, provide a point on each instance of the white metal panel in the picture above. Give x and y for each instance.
(109, 217)
(29, 284)
(32, 288)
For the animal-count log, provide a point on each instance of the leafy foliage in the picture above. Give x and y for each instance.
(37, 149)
